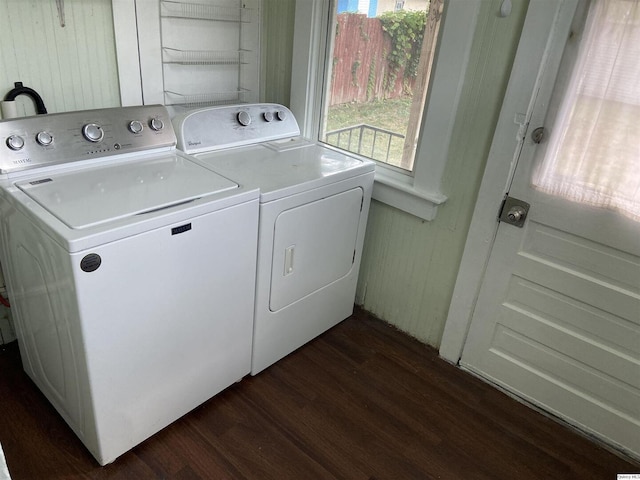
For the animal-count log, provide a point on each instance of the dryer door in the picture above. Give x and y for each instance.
(314, 245)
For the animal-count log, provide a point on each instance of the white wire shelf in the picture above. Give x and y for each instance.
(203, 57)
(201, 11)
(205, 99)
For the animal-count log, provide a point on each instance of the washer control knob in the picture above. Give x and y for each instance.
(93, 132)
(15, 142)
(282, 115)
(156, 124)
(268, 116)
(44, 138)
(244, 118)
(135, 126)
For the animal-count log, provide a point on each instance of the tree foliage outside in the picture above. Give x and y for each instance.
(406, 30)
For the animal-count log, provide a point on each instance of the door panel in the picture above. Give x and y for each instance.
(557, 320)
(314, 245)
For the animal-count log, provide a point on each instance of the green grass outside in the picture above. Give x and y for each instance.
(388, 114)
(392, 115)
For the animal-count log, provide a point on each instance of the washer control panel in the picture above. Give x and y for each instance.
(236, 125)
(40, 140)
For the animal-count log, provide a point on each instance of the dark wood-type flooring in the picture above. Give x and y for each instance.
(363, 401)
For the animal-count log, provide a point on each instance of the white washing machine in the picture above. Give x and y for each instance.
(314, 203)
(131, 270)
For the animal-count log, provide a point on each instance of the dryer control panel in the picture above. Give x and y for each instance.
(43, 140)
(235, 125)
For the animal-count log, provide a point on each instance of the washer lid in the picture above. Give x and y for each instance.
(85, 198)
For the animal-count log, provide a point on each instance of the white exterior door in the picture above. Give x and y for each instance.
(557, 316)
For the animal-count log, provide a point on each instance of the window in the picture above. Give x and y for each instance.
(594, 153)
(416, 191)
(377, 80)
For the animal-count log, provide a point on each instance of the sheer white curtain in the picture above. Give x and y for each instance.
(593, 155)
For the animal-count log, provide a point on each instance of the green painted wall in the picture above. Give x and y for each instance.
(277, 47)
(409, 266)
(71, 67)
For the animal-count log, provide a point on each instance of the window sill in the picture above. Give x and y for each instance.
(398, 191)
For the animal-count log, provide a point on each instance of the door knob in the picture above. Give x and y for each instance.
(516, 214)
(513, 211)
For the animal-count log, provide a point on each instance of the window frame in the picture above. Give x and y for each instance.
(418, 192)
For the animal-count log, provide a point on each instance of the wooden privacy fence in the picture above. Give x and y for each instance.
(359, 69)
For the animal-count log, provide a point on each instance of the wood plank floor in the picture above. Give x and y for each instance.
(363, 401)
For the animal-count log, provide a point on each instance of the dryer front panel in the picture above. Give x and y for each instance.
(314, 245)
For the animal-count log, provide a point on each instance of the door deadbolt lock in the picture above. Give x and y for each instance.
(514, 211)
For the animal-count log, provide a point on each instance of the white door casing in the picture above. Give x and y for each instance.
(551, 311)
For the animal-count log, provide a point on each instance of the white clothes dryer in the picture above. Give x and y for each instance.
(131, 270)
(314, 203)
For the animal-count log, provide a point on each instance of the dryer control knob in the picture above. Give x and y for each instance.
(268, 116)
(282, 115)
(135, 126)
(156, 124)
(244, 118)
(15, 142)
(44, 138)
(93, 132)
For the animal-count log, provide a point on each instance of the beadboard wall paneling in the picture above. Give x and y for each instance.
(409, 266)
(71, 67)
(277, 48)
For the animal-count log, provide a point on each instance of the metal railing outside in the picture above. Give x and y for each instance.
(366, 140)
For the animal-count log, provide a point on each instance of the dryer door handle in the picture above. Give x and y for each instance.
(288, 260)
